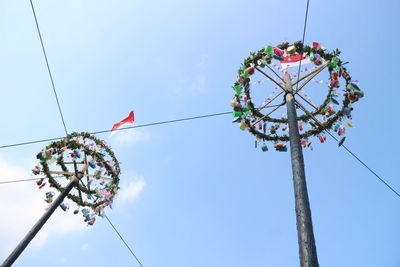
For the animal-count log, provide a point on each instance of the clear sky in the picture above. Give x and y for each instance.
(196, 193)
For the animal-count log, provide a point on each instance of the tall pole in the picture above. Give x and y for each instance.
(36, 228)
(305, 234)
(39, 224)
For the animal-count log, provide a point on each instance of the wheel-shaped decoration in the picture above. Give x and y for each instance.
(83, 155)
(331, 114)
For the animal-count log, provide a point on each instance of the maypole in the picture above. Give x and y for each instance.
(91, 188)
(292, 128)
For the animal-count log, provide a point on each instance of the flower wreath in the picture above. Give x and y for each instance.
(246, 113)
(93, 147)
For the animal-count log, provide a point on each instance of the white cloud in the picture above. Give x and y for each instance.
(131, 191)
(63, 260)
(199, 79)
(191, 79)
(21, 205)
(129, 137)
(85, 246)
(199, 83)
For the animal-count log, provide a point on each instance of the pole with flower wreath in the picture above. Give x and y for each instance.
(333, 114)
(83, 169)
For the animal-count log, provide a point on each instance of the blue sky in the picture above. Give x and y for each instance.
(195, 193)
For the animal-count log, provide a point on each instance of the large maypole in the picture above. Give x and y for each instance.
(330, 115)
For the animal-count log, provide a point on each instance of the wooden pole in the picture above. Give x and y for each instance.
(39, 224)
(36, 228)
(305, 234)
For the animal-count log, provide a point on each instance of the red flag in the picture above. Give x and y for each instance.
(128, 120)
(293, 61)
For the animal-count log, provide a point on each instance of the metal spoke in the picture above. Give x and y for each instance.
(73, 162)
(305, 76)
(269, 77)
(311, 73)
(309, 113)
(266, 115)
(84, 174)
(308, 102)
(275, 72)
(269, 102)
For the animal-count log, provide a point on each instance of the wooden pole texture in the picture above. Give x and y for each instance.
(305, 234)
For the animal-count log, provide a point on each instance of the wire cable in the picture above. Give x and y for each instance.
(123, 240)
(365, 165)
(355, 156)
(304, 35)
(48, 68)
(327, 131)
(26, 180)
(164, 122)
(126, 128)
(63, 121)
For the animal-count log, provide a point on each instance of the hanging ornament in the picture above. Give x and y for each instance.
(235, 103)
(322, 138)
(334, 62)
(92, 164)
(281, 147)
(336, 127)
(237, 119)
(49, 197)
(64, 206)
(278, 51)
(243, 126)
(291, 50)
(312, 57)
(341, 131)
(237, 114)
(354, 93)
(40, 181)
(347, 112)
(303, 142)
(269, 50)
(316, 45)
(334, 101)
(36, 170)
(250, 70)
(264, 148)
(341, 141)
(334, 84)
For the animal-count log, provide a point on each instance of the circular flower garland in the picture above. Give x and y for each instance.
(102, 161)
(246, 114)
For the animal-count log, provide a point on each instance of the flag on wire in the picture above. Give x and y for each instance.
(128, 120)
(289, 62)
